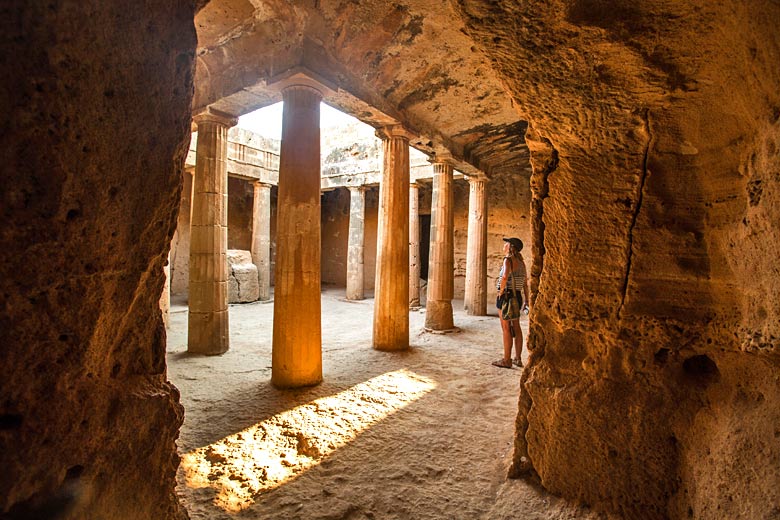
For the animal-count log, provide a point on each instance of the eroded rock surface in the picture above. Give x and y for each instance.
(653, 387)
(95, 125)
(654, 133)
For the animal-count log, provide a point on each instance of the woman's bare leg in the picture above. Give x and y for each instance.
(518, 342)
(507, 336)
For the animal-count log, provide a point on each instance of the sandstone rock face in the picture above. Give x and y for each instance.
(240, 196)
(95, 125)
(243, 283)
(653, 387)
(335, 230)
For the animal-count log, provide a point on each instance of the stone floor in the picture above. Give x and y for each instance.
(423, 434)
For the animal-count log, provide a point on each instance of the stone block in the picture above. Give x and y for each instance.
(243, 283)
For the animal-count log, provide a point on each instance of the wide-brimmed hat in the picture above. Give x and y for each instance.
(516, 243)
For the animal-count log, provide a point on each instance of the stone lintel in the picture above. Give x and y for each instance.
(301, 76)
(252, 173)
(480, 177)
(396, 130)
(212, 115)
(443, 158)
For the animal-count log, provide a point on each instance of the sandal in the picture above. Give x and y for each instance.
(518, 362)
(502, 363)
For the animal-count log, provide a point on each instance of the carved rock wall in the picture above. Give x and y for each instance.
(335, 237)
(653, 388)
(240, 198)
(95, 128)
(509, 200)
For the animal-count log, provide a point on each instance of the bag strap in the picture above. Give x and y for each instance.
(512, 274)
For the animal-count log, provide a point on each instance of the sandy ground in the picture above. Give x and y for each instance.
(422, 434)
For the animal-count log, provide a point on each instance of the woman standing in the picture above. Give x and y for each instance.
(511, 281)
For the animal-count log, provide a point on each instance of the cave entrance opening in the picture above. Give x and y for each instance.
(231, 400)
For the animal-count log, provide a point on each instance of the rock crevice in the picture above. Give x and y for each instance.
(639, 196)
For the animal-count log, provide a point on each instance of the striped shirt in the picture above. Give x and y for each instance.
(517, 277)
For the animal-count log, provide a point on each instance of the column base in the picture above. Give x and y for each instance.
(396, 347)
(475, 310)
(208, 333)
(265, 293)
(445, 331)
(391, 339)
(438, 315)
(354, 294)
(285, 381)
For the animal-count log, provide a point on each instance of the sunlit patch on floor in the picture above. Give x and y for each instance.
(271, 452)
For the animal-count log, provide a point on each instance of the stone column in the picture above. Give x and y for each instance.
(414, 246)
(165, 297)
(261, 237)
(391, 301)
(297, 337)
(357, 216)
(475, 300)
(208, 307)
(438, 308)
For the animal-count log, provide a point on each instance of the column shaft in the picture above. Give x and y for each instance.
(261, 237)
(414, 246)
(357, 211)
(165, 297)
(297, 346)
(208, 310)
(475, 300)
(438, 313)
(391, 302)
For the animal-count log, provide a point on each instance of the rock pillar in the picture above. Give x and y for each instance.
(357, 213)
(391, 301)
(414, 246)
(438, 313)
(297, 337)
(475, 300)
(208, 307)
(261, 237)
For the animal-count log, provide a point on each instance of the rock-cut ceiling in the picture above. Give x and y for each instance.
(403, 61)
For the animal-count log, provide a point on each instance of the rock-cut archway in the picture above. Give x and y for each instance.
(654, 138)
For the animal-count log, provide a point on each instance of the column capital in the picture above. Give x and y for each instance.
(394, 130)
(302, 77)
(357, 188)
(474, 179)
(261, 184)
(212, 115)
